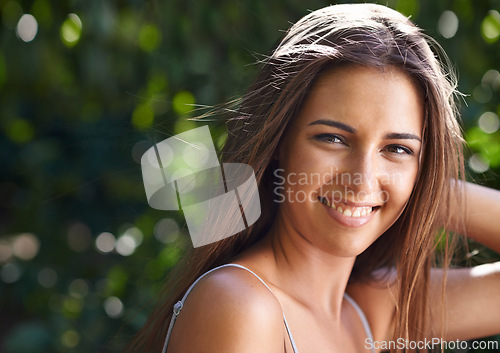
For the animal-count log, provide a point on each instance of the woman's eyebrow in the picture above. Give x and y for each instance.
(402, 136)
(350, 129)
(334, 123)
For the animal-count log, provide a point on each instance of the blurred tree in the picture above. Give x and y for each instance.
(87, 86)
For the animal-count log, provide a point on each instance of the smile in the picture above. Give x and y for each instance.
(348, 210)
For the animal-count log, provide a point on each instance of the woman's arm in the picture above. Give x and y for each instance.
(472, 295)
(472, 302)
(481, 216)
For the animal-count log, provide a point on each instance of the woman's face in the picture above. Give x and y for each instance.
(350, 160)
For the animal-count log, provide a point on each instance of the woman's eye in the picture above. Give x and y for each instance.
(398, 149)
(329, 138)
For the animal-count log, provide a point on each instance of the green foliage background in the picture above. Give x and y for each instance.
(82, 101)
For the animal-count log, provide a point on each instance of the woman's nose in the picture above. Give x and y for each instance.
(363, 175)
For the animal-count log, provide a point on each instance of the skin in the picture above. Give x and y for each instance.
(365, 122)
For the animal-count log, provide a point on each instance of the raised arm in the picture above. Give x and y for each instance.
(481, 216)
(472, 306)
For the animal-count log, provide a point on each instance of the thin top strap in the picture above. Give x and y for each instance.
(178, 306)
(362, 316)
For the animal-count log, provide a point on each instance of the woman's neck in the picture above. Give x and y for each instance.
(303, 272)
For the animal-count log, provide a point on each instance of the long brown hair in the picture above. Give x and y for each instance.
(366, 35)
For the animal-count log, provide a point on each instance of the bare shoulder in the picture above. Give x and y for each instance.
(229, 310)
(378, 301)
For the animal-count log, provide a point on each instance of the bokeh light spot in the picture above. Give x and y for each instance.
(70, 339)
(26, 246)
(125, 245)
(5, 251)
(489, 122)
(482, 93)
(113, 307)
(166, 230)
(183, 125)
(136, 235)
(182, 172)
(492, 78)
(79, 237)
(139, 149)
(11, 13)
(20, 130)
(183, 102)
(78, 288)
(196, 154)
(490, 27)
(105, 242)
(478, 164)
(149, 38)
(10, 273)
(42, 11)
(71, 30)
(27, 28)
(72, 307)
(47, 277)
(448, 24)
(143, 116)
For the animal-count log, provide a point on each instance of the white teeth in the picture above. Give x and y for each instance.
(349, 212)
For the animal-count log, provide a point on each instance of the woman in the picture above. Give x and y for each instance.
(352, 132)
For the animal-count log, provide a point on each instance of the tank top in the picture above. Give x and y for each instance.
(178, 307)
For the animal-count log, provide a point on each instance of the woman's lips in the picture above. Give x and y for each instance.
(349, 215)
